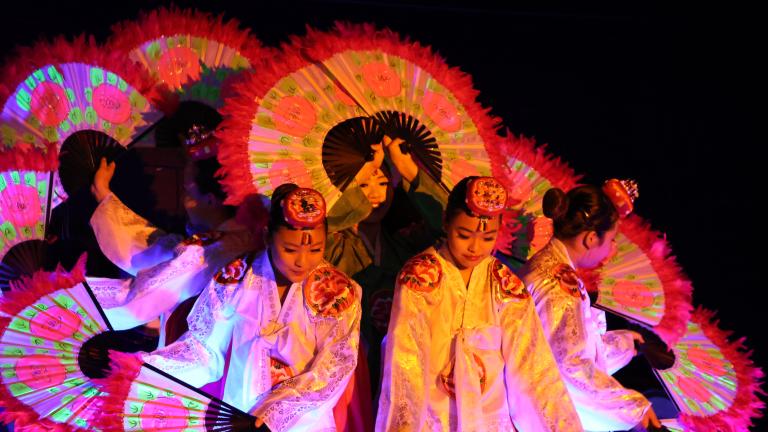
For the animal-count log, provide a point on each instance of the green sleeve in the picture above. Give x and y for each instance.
(351, 208)
(429, 198)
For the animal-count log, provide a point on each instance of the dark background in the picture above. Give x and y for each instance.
(670, 97)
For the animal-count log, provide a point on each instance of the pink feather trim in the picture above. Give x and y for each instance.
(317, 46)
(125, 368)
(26, 292)
(747, 405)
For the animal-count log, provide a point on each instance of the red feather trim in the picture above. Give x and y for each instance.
(524, 149)
(29, 290)
(677, 288)
(128, 35)
(747, 405)
(32, 160)
(125, 368)
(82, 49)
(317, 46)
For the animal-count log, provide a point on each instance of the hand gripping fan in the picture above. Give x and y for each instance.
(281, 126)
(65, 88)
(713, 381)
(144, 398)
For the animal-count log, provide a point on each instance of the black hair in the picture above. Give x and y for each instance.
(457, 199)
(583, 208)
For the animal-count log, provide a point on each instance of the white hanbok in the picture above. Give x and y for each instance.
(288, 363)
(468, 357)
(586, 353)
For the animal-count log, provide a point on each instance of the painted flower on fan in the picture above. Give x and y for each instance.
(40, 371)
(441, 111)
(295, 116)
(164, 413)
(279, 371)
(328, 292)
(232, 273)
(421, 273)
(289, 171)
(23, 203)
(111, 104)
(693, 389)
(381, 308)
(569, 280)
(55, 323)
(632, 294)
(49, 104)
(177, 66)
(706, 362)
(510, 286)
(382, 79)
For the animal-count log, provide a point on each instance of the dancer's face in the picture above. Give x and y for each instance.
(296, 252)
(375, 188)
(597, 249)
(469, 239)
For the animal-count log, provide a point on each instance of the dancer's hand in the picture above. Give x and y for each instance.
(637, 338)
(100, 186)
(371, 166)
(650, 419)
(402, 161)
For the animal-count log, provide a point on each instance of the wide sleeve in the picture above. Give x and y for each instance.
(619, 346)
(157, 290)
(405, 381)
(127, 239)
(318, 388)
(351, 208)
(537, 397)
(198, 357)
(601, 401)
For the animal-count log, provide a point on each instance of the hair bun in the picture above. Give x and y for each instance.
(555, 203)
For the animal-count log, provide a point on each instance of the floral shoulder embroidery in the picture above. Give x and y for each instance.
(508, 285)
(233, 272)
(421, 273)
(568, 279)
(279, 371)
(202, 239)
(328, 292)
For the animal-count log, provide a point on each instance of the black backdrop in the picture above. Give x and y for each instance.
(671, 97)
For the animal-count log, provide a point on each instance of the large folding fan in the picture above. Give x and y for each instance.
(527, 172)
(643, 282)
(193, 53)
(66, 86)
(281, 125)
(51, 323)
(144, 398)
(713, 381)
(24, 203)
